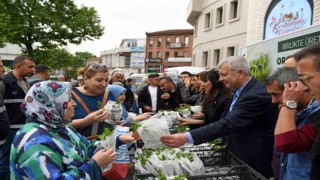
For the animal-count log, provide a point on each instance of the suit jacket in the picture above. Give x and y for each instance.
(248, 129)
(144, 98)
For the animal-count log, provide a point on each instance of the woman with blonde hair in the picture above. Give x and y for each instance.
(89, 114)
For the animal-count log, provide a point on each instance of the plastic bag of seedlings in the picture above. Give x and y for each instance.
(152, 129)
(114, 110)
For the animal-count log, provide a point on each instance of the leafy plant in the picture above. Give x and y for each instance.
(259, 67)
(161, 175)
(107, 132)
(180, 177)
(134, 126)
(182, 128)
(99, 104)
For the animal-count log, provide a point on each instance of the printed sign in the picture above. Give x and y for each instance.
(288, 16)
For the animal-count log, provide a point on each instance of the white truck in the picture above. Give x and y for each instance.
(277, 49)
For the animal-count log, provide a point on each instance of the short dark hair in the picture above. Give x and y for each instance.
(40, 68)
(186, 72)
(168, 79)
(312, 51)
(129, 80)
(153, 75)
(20, 59)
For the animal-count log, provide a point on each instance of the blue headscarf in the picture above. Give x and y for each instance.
(114, 93)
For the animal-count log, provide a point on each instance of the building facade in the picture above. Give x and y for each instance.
(9, 52)
(168, 48)
(129, 56)
(221, 27)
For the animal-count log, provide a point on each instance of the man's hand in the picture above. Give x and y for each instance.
(165, 96)
(147, 108)
(175, 140)
(293, 91)
(187, 81)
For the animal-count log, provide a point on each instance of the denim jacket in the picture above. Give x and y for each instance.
(297, 166)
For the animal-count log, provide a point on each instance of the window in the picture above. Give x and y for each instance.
(219, 16)
(166, 55)
(128, 44)
(159, 41)
(193, 59)
(216, 57)
(185, 54)
(127, 61)
(177, 39)
(196, 28)
(205, 57)
(207, 21)
(176, 54)
(150, 55)
(186, 41)
(234, 10)
(134, 44)
(230, 51)
(168, 41)
(151, 42)
(159, 54)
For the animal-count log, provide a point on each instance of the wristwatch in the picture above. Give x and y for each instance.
(290, 104)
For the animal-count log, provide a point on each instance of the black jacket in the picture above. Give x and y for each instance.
(144, 98)
(13, 97)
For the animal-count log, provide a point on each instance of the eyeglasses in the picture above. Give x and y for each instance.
(306, 77)
(97, 67)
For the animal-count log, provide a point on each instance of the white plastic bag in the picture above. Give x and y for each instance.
(152, 129)
(114, 110)
(196, 109)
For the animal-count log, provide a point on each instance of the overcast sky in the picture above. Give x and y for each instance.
(125, 19)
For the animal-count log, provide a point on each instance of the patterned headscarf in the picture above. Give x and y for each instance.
(46, 102)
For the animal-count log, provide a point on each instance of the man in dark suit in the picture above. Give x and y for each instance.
(247, 124)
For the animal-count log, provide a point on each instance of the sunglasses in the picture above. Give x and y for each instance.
(97, 67)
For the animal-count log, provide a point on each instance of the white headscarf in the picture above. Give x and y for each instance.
(46, 102)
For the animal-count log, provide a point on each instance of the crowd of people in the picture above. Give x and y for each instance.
(49, 129)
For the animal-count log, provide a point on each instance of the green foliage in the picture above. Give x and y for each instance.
(259, 67)
(161, 175)
(180, 177)
(134, 126)
(182, 128)
(58, 58)
(47, 24)
(107, 132)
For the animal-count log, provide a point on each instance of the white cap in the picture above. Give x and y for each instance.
(117, 70)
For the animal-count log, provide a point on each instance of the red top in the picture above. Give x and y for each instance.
(297, 140)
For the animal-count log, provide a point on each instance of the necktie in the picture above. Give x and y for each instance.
(234, 99)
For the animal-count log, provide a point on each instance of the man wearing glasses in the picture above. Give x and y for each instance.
(287, 136)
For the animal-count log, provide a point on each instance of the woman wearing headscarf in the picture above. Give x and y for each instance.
(117, 93)
(47, 147)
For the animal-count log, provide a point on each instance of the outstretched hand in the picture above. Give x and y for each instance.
(129, 137)
(175, 140)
